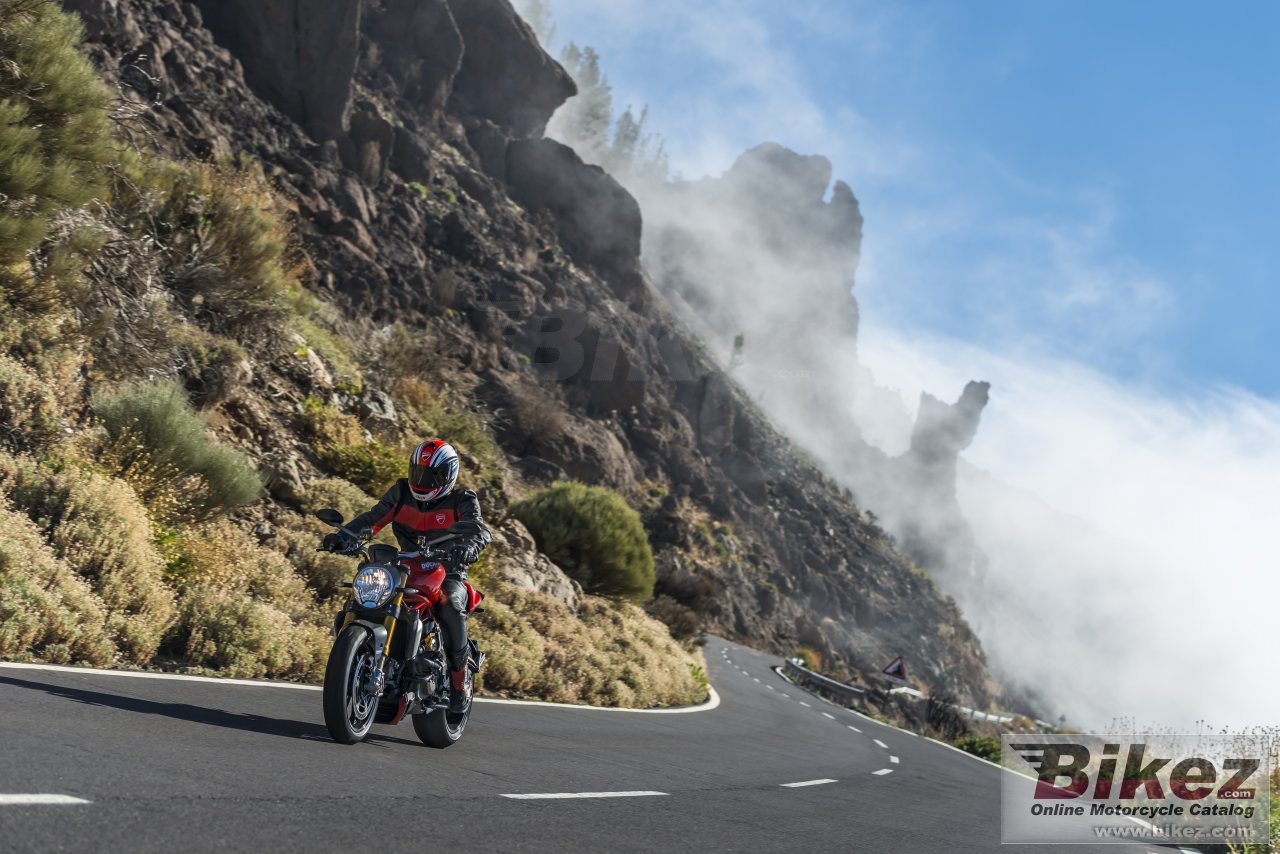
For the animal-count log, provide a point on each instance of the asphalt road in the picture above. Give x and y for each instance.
(173, 764)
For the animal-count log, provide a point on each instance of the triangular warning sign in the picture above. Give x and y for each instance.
(897, 671)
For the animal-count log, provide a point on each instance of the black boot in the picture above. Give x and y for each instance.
(461, 687)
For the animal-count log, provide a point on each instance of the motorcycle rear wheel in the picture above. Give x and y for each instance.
(439, 729)
(348, 709)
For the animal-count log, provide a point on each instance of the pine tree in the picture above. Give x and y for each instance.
(537, 14)
(54, 127)
(585, 119)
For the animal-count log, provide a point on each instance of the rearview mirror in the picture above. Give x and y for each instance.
(329, 516)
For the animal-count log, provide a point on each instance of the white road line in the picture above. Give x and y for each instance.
(18, 800)
(807, 783)
(771, 688)
(881, 743)
(757, 678)
(712, 701)
(785, 694)
(882, 772)
(893, 759)
(854, 728)
(554, 796)
(828, 715)
(806, 705)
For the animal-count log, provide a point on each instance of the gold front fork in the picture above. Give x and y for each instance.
(390, 621)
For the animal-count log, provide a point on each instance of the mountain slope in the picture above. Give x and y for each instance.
(405, 139)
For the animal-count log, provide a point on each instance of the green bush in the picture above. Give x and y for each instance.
(594, 537)
(158, 444)
(54, 130)
(982, 746)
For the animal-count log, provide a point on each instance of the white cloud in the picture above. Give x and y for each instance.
(1172, 567)
(1162, 544)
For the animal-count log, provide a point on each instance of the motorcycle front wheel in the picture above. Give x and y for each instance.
(349, 709)
(440, 729)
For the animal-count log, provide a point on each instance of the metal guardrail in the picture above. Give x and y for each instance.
(846, 694)
(819, 684)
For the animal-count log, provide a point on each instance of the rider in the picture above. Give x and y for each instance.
(426, 503)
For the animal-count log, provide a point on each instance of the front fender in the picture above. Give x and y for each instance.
(378, 631)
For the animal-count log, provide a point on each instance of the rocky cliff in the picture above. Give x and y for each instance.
(406, 138)
(762, 262)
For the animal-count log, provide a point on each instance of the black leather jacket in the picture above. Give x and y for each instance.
(409, 518)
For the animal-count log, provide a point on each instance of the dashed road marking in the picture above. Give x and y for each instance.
(854, 728)
(757, 678)
(554, 796)
(785, 694)
(882, 772)
(806, 705)
(893, 759)
(771, 688)
(880, 743)
(828, 715)
(807, 783)
(40, 799)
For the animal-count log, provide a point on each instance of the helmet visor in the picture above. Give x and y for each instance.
(429, 477)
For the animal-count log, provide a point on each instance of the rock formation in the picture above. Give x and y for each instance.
(424, 195)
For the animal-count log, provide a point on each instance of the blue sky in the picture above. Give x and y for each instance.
(1084, 180)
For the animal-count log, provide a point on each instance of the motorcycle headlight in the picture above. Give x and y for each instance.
(373, 586)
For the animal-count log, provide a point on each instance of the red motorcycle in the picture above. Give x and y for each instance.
(387, 660)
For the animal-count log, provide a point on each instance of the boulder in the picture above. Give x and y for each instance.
(520, 563)
(377, 409)
(505, 76)
(419, 47)
(599, 221)
(298, 54)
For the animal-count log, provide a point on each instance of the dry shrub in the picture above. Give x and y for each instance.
(46, 610)
(401, 352)
(611, 653)
(100, 530)
(342, 495)
(222, 555)
(243, 610)
(226, 631)
(414, 392)
(537, 415)
(684, 623)
(811, 657)
(444, 289)
(344, 448)
(222, 237)
(322, 571)
(943, 716)
(29, 410)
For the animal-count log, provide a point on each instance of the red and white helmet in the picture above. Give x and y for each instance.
(433, 470)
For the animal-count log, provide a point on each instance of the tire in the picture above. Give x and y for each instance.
(439, 729)
(348, 711)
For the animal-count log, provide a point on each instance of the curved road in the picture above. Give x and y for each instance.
(176, 764)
